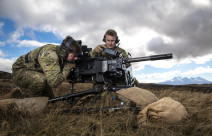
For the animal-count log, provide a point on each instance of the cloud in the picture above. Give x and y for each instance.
(6, 64)
(164, 64)
(145, 27)
(191, 33)
(156, 77)
(2, 44)
(14, 39)
(15, 36)
(30, 43)
(2, 54)
(136, 42)
(202, 2)
(197, 71)
(1, 29)
(198, 60)
(202, 59)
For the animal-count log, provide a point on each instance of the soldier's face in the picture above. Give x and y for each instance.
(110, 41)
(71, 57)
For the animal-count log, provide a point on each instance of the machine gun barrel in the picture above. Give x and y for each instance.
(153, 57)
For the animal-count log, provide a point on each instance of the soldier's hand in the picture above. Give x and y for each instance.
(98, 49)
(71, 65)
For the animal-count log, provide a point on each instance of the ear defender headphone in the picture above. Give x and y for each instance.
(69, 43)
(117, 39)
(65, 47)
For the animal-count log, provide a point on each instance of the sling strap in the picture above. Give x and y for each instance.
(36, 59)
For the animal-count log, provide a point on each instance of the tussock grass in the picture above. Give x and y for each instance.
(53, 122)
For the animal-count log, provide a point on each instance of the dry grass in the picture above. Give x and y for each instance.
(53, 122)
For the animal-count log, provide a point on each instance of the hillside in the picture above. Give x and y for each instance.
(51, 122)
(186, 81)
(205, 88)
(5, 75)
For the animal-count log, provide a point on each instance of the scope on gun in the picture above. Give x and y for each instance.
(85, 51)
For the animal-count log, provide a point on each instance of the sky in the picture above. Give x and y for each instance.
(144, 27)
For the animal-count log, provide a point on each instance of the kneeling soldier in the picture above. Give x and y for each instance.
(46, 67)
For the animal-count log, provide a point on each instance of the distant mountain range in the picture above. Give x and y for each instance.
(185, 80)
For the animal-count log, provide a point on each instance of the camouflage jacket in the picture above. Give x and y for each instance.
(97, 53)
(45, 60)
(100, 53)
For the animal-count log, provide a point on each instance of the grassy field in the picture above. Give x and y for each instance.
(124, 123)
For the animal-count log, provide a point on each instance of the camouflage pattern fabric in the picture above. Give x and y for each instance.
(43, 71)
(98, 52)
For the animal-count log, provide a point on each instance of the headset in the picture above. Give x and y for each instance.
(69, 43)
(64, 49)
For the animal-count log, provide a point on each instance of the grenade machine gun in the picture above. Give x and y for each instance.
(113, 74)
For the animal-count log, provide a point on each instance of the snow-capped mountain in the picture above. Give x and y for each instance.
(185, 80)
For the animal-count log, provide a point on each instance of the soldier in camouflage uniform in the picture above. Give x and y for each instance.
(46, 67)
(111, 39)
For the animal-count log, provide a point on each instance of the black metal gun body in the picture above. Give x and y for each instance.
(111, 73)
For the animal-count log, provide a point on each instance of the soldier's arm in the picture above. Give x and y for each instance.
(124, 53)
(97, 51)
(93, 54)
(49, 63)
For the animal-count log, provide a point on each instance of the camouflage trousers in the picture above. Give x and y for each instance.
(35, 82)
